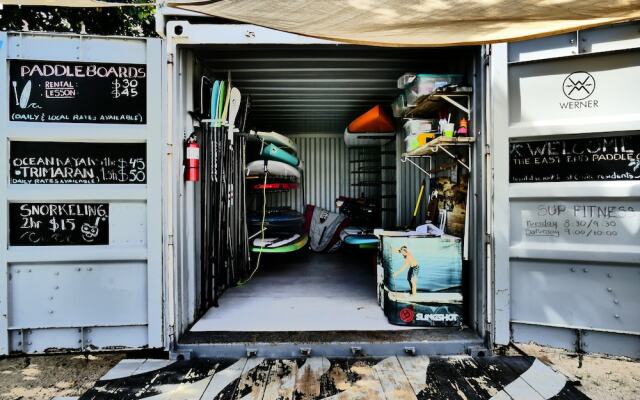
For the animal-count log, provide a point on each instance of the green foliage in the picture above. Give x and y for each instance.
(122, 21)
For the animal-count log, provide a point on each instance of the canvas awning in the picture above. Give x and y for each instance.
(407, 23)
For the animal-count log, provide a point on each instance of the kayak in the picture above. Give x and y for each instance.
(298, 243)
(373, 121)
(275, 168)
(273, 152)
(279, 140)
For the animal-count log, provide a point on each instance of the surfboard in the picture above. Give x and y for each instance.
(275, 168)
(279, 140)
(273, 152)
(287, 248)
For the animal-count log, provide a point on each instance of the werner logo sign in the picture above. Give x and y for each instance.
(578, 88)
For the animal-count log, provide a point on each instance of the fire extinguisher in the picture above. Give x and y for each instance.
(192, 160)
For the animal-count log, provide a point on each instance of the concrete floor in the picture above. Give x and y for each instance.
(303, 291)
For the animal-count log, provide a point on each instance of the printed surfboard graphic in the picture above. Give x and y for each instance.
(25, 95)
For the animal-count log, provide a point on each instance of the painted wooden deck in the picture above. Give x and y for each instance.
(392, 378)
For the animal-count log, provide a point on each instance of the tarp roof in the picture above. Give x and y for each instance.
(406, 22)
(422, 22)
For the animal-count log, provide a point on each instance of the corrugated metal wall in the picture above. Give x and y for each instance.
(327, 175)
(326, 172)
(408, 183)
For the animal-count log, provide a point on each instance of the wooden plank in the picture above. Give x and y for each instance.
(282, 380)
(223, 384)
(457, 378)
(415, 369)
(254, 379)
(308, 377)
(353, 380)
(394, 382)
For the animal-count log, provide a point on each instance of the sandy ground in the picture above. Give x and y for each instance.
(601, 378)
(43, 377)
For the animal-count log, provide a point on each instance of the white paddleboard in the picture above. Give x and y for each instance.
(279, 140)
(276, 168)
(367, 139)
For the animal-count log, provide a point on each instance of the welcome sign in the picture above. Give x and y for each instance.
(609, 158)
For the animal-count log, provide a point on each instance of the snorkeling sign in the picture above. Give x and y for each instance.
(98, 93)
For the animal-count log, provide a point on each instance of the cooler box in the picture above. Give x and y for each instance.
(438, 277)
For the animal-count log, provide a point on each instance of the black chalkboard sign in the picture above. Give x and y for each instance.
(610, 158)
(58, 224)
(76, 163)
(98, 93)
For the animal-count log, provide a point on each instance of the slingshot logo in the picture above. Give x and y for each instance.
(579, 85)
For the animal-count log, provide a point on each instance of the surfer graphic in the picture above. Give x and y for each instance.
(412, 264)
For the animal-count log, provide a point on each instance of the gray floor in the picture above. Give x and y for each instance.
(303, 292)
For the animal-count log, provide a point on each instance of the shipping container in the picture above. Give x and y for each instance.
(106, 241)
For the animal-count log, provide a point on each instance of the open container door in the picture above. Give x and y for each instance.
(81, 251)
(284, 72)
(566, 190)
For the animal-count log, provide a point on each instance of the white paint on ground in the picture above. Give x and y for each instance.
(539, 382)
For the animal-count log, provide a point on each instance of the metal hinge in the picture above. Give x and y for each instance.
(170, 58)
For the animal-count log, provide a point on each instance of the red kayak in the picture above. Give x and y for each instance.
(373, 121)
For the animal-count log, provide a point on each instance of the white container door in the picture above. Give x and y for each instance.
(566, 146)
(81, 250)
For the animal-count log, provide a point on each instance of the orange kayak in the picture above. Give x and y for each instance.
(373, 121)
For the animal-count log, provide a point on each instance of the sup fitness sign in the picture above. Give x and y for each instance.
(99, 93)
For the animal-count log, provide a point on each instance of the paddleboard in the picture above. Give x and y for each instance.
(273, 152)
(287, 248)
(275, 168)
(367, 139)
(275, 186)
(288, 218)
(359, 240)
(279, 140)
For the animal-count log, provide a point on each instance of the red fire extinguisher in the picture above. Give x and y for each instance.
(192, 170)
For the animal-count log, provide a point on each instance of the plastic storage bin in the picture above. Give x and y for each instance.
(425, 84)
(415, 126)
(406, 79)
(399, 106)
(412, 142)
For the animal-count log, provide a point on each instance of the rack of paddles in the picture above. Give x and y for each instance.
(225, 252)
(274, 170)
(420, 279)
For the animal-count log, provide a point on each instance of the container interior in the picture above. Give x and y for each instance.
(310, 93)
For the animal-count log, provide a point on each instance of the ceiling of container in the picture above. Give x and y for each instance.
(320, 89)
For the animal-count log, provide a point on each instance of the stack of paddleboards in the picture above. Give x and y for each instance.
(373, 128)
(275, 169)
